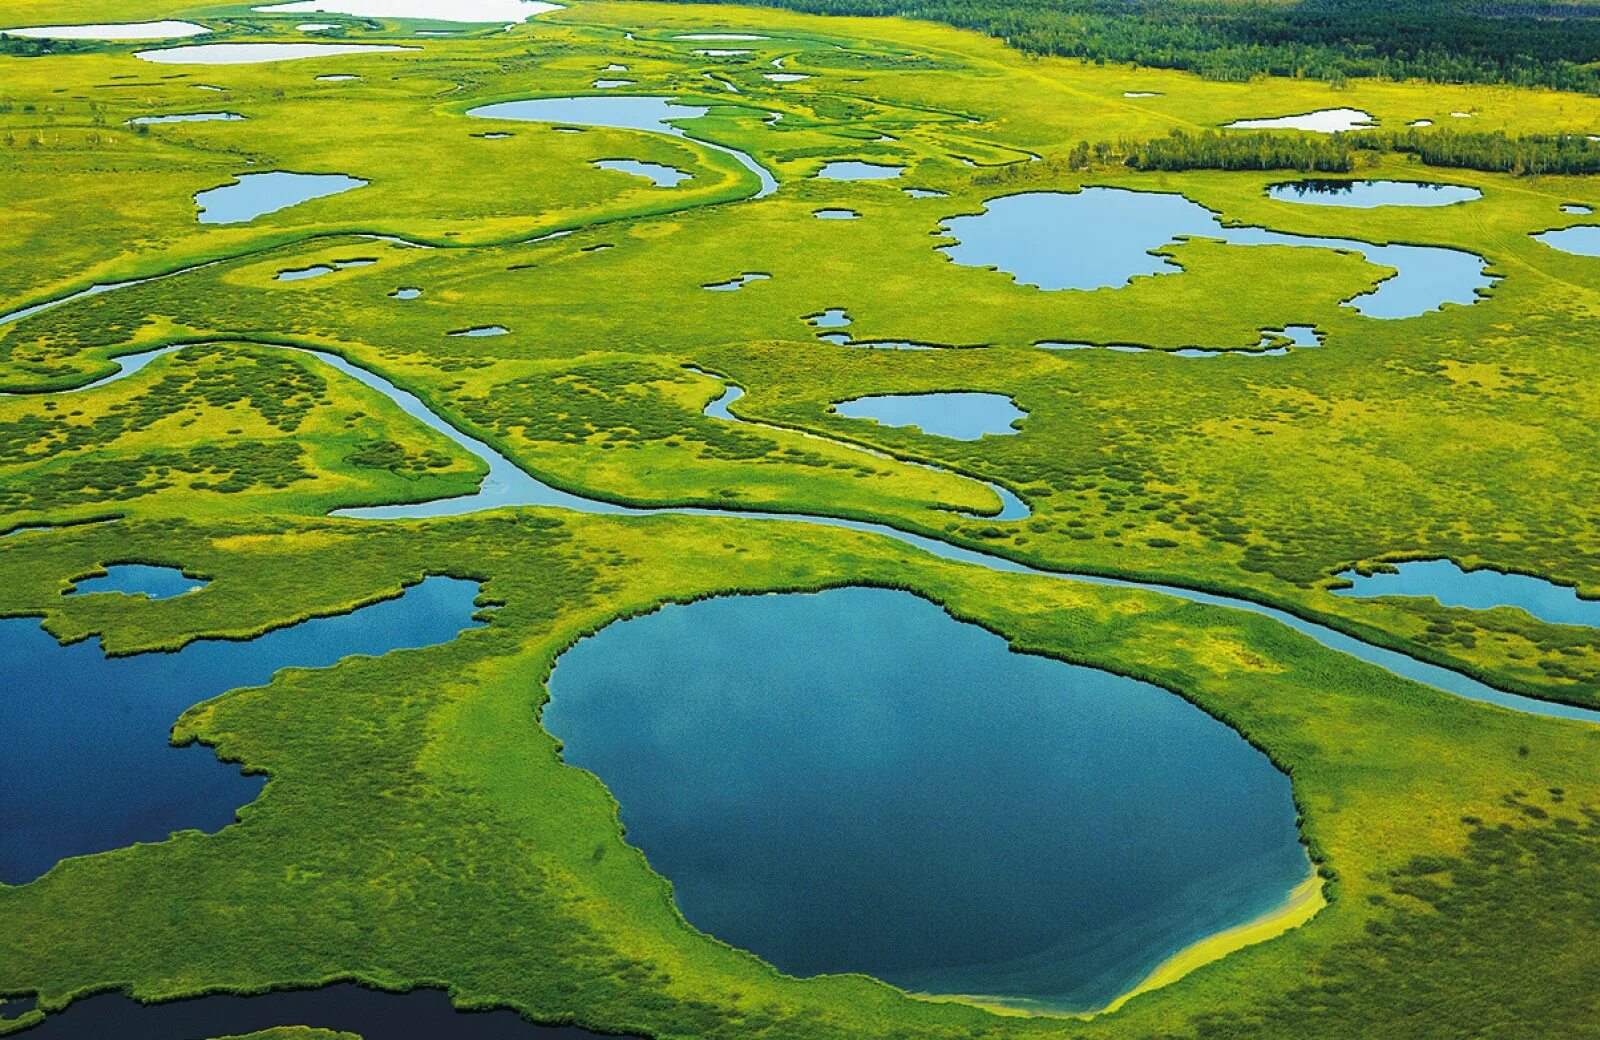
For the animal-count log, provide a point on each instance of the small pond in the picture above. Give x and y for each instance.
(1579, 241)
(406, 293)
(140, 579)
(257, 194)
(612, 84)
(481, 330)
(256, 53)
(926, 193)
(851, 170)
(635, 112)
(1371, 194)
(835, 214)
(1323, 121)
(961, 416)
(1573, 207)
(1478, 590)
(88, 766)
(507, 11)
(1101, 238)
(163, 30)
(187, 117)
(855, 782)
(735, 284)
(1140, 93)
(657, 174)
(300, 274)
(784, 77)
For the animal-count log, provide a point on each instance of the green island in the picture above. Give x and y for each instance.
(498, 359)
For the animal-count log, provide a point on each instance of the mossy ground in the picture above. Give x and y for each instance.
(419, 826)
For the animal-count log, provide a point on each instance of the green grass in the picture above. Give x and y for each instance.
(419, 827)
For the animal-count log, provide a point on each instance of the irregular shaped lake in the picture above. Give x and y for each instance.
(1323, 121)
(852, 170)
(657, 174)
(1371, 194)
(855, 782)
(962, 416)
(638, 112)
(163, 30)
(140, 579)
(1101, 238)
(1483, 589)
(256, 53)
(88, 767)
(257, 194)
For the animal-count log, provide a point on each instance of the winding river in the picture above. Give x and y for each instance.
(507, 484)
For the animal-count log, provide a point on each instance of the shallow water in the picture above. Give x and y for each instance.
(852, 170)
(255, 195)
(162, 30)
(721, 52)
(737, 283)
(1101, 238)
(1575, 208)
(297, 274)
(256, 53)
(963, 416)
(1371, 194)
(835, 214)
(1273, 343)
(1451, 586)
(509, 11)
(407, 293)
(140, 579)
(187, 117)
(926, 193)
(861, 812)
(1579, 241)
(636, 112)
(832, 318)
(88, 766)
(1140, 93)
(784, 77)
(1323, 121)
(481, 330)
(612, 84)
(659, 175)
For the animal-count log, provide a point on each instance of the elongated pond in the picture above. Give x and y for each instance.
(853, 781)
(88, 767)
(1101, 238)
(1447, 583)
(1372, 194)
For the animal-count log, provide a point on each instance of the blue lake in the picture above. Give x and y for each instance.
(1478, 590)
(835, 214)
(853, 781)
(1101, 238)
(633, 112)
(300, 274)
(140, 579)
(851, 170)
(257, 194)
(88, 767)
(962, 416)
(1371, 194)
(659, 175)
(1580, 241)
(739, 282)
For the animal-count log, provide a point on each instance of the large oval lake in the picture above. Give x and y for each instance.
(853, 781)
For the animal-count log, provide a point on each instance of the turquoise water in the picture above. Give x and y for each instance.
(1101, 238)
(1371, 194)
(963, 416)
(140, 579)
(853, 781)
(87, 765)
(1478, 589)
(255, 195)
(635, 112)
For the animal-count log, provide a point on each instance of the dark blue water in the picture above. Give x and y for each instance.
(1478, 590)
(135, 579)
(87, 766)
(1371, 194)
(962, 416)
(257, 194)
(1101, 238)
(853, 781)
